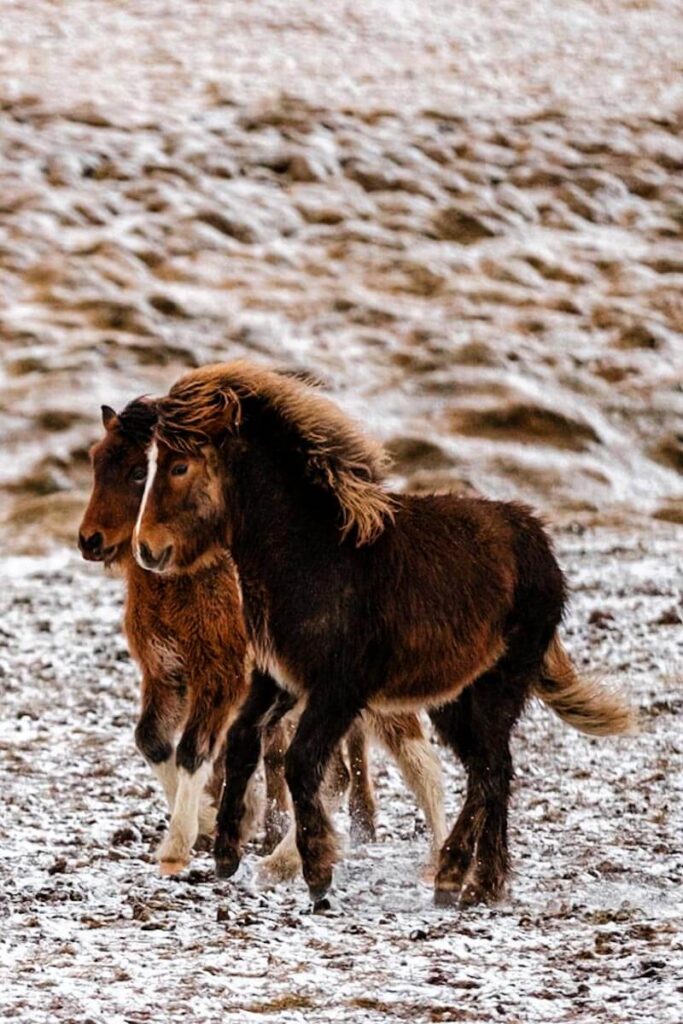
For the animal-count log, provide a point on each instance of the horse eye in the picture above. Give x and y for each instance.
(180, 469)
(139, 475)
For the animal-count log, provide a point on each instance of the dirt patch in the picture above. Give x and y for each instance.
(527, 423)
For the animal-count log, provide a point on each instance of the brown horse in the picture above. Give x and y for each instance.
(360, 601)
(186, 632)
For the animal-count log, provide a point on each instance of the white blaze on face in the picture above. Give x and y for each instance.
(152, 460)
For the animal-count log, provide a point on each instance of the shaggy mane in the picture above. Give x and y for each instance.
(206, 404)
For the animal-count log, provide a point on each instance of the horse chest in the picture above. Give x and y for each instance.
(154, 640)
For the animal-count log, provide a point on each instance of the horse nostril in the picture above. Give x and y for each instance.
(146, 554)
(91, 545)
(152, 561)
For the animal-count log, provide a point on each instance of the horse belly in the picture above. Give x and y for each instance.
(428, 675)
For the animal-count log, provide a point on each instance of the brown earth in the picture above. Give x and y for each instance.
(493, 272)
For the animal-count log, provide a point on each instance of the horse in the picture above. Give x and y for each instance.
(359, 602)
(186, 632)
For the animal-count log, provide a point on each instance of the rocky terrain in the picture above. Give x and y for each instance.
(468, 222)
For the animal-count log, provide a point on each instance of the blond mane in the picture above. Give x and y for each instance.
(205, 404)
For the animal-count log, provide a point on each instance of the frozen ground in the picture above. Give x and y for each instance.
(468, 219)
(591, 930)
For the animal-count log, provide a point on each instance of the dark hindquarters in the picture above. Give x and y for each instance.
(361, 796)
(265, 704)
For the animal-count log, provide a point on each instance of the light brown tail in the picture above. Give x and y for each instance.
(585, 703)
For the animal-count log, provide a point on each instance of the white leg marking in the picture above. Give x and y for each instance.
(176, 849)
(253, 808)
(167, 774)
(152, 459)
(283, 863)
(421, 771)
(207, 815)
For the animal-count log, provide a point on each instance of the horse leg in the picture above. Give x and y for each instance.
(452, 724)
(284, 862)
(211, 701)
(404, 738)
(211, 796)
(322, 725)
(277, 794)
(163, 708)
(361, 796)
(474, 858)
(266, 703)
(486, 881)
(499, 699)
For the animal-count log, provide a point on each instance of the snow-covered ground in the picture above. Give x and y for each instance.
(466, 219)
(591, 929)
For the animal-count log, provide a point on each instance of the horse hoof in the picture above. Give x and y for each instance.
(322, 906)
(171, 867)
(473, 895)
(227, 866)
(446, 897)
(319, 892)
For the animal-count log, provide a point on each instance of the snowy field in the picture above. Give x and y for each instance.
(591, 929)
(467, 220)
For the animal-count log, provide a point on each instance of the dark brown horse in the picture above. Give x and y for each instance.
(359, 601)
(186, 631)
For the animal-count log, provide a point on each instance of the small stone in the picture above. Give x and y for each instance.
(167, 306)
(304, 167)
(642, 335)
(601, 618)
(125, 835)
(670, 617)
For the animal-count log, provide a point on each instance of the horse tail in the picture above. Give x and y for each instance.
(586, 703)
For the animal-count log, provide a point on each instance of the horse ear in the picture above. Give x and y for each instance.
(108, 417)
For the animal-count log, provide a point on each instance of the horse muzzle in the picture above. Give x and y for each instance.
(155, 561)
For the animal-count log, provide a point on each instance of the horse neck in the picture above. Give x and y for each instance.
(274, 522)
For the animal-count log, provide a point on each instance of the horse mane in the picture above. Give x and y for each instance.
(137, 421)
(212, 402)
